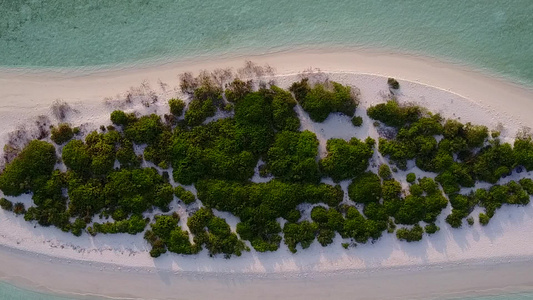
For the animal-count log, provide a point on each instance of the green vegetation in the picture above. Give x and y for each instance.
(176, 106)
(357, 121)
(186, 196)
(410, 235)
(385, 172)
(6, 204)
(215, 234)
(411, 177)
(324, 98)
(217, 158)
(292, 157)
(29, 169)
(365, 188)
(431, 228)
(165, 234)
(135, 224)
(346, 160)
(61, 134)
(393, 83)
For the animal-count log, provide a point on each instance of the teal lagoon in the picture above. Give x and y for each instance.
(494, 36)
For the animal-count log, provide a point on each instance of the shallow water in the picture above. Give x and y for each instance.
(494, 35)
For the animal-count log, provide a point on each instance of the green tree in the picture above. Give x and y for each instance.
(36, 160)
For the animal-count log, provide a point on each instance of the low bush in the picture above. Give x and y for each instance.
(431, 228)
(62, 133)
(176, 106)
(393, 83)
(385, 172)
(410, 235)
(357, 121)
(6, 204)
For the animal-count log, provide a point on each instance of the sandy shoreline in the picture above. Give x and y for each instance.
(483, 255)
(78, 86)
(49, 275)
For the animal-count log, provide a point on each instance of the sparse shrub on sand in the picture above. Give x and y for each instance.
(321, 99)
(393, 83)
(176, 106)
(357, 121)
(410, 235)
(62, 133)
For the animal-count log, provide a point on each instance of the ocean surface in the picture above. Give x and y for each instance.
(493, 36)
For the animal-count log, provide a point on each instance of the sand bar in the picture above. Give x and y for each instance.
(498, 256)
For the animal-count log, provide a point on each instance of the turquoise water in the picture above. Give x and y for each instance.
(496, 36)
(493, 35)
(517, 296)
(10, 292)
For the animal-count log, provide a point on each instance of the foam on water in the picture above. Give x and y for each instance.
(495, 36)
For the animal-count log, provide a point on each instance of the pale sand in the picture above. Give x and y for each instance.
(51, 275)
(463, 94)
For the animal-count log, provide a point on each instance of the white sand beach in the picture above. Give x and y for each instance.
(450, 262)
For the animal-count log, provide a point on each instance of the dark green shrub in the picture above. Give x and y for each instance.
(119, 117)
(176, 106)
(322, 99)
(6, 204)
(78, 226)
(393, 83)
(166, 234)
(284, 118)
(126, 155)
(385, 172)
(411, 177)
(145, 130)
(215, 234)
(410, 235)
(483, 219)
(431, 228)
(292, 157)
(470, 221)
(455, 219)
(198, 111)
(395, 115)
(345, 160)
(19, 208)
(527, 185)
(357, 121)
(62, 133)
(237, 90)
(34, 162)
(365, 188)
(77, 157)
(523, 151)
(302, 233)
(186, 196)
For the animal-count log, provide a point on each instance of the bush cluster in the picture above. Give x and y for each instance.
(324, 98)
(215, 234)
(346, 160)
(62, 133)
(165, 234)
(104, 175)
(259, 204)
